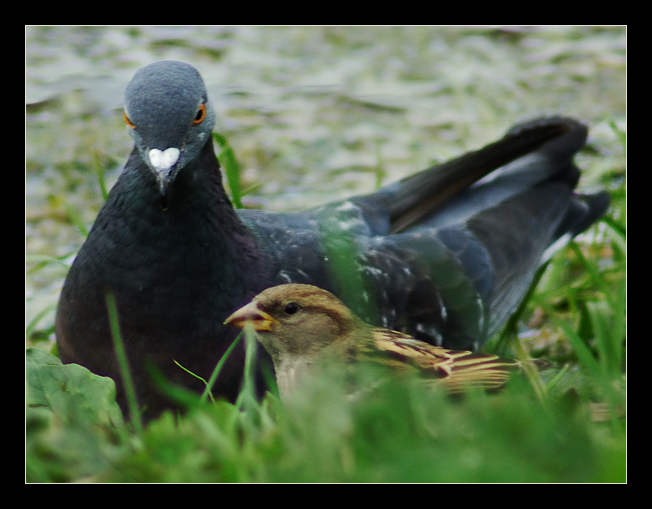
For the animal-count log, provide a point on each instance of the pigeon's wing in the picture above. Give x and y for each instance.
(448, 270)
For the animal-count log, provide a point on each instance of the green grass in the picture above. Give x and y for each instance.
(231, 168)
(565, 424)
(125, 371)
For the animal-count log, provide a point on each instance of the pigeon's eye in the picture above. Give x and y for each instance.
(291, 308)
(127, 121)
(201, 114)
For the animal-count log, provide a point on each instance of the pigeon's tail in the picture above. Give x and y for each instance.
(590, 208)
(530, 153)
(583, 211)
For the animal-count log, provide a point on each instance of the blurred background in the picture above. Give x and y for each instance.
(312, 113)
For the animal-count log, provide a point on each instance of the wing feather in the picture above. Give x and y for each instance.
(455, 369)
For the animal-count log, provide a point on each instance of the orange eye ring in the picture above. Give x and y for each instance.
(201, 114)
(127, 121)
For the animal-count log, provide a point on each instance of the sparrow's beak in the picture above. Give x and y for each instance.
(251, 314)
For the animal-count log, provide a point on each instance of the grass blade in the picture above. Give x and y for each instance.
(231, 168)
(121, 356)
(218, 368)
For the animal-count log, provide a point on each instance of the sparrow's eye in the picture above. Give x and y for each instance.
(291, 308)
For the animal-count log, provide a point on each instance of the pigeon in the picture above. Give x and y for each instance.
(445, 255)
(305, 328)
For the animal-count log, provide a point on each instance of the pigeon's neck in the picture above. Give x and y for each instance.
(195, 209)
(192, 248)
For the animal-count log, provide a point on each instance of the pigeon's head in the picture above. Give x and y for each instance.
(169, 117)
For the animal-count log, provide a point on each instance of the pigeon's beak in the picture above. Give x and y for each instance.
(164, 166)
(250, 313)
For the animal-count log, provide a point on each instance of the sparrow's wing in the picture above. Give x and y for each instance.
(455, 369)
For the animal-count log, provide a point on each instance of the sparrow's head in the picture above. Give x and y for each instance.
(297, 320)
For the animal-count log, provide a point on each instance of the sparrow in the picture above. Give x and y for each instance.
(304, 327)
